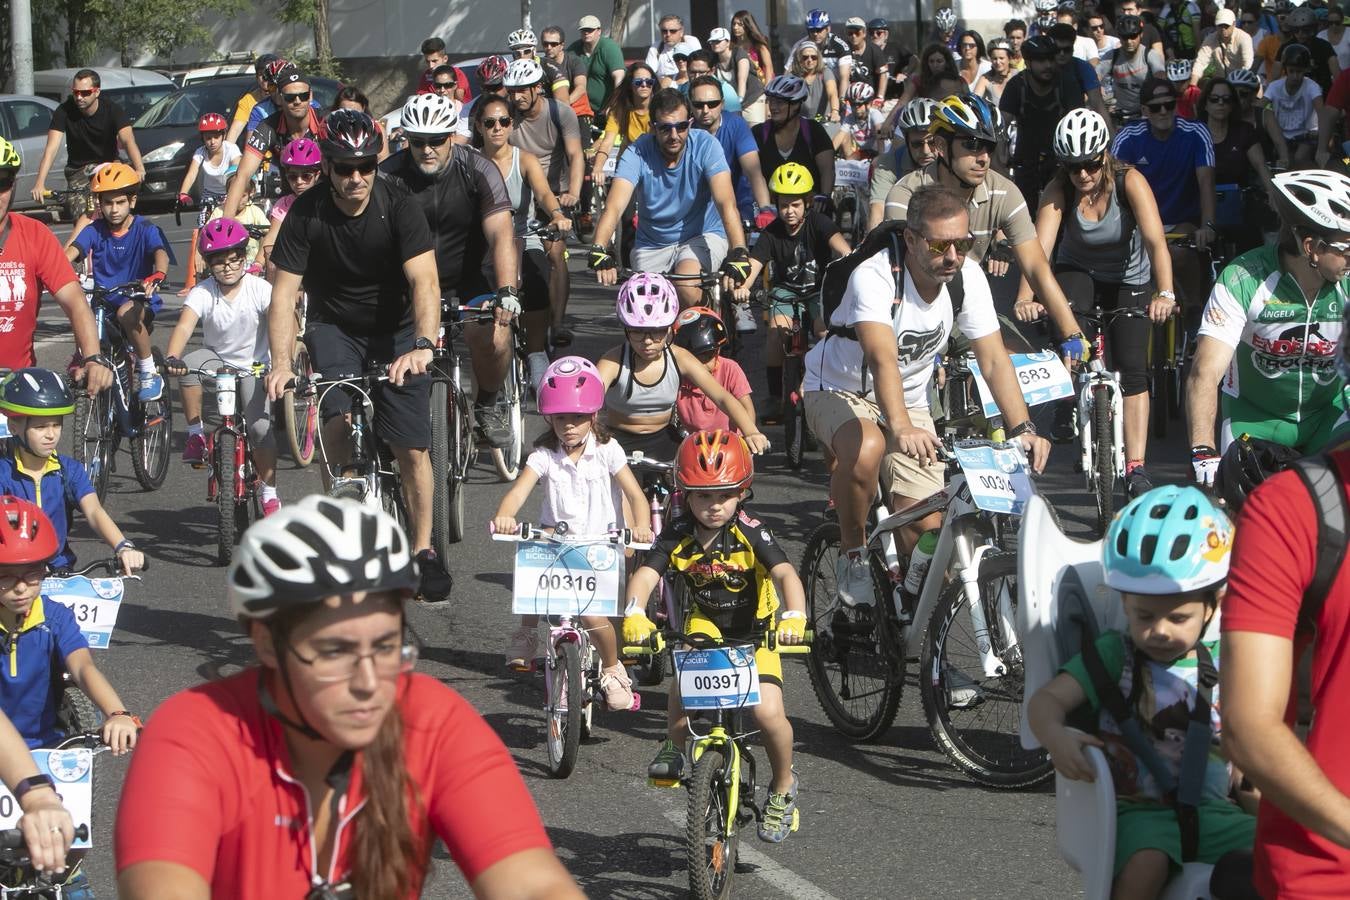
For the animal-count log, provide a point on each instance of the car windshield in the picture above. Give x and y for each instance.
(136, 100)
(186, 105)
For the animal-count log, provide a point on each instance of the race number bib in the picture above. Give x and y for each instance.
(73, 772)
(1041, 376)
(4, 427)
(996, 475)
(851, 173)
(611, 164)
(94, 601)
(564, 579)
(717, 678)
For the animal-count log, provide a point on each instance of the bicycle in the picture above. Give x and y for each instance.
(300, 409)
(563, 577)
(658, 484)
(718, 676)
(103, 421)
(857, 668)
(796, 341)
(229, 457)
(852, 184)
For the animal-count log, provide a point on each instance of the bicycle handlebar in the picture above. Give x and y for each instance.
(657, 642)
(112, 566)
(13, 839)
(526, 531)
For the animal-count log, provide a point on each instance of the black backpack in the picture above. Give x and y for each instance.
(1323, 483)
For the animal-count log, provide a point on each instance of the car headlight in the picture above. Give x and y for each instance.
(163, 154)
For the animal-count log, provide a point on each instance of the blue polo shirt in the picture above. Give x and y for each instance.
(29, 685)
(57, 488)
(736, 140)
(675, 203)
(119, 258)
(1169, 166)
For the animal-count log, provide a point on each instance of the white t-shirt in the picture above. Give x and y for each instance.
(1295, 113)
(1085, 48)
(234, 329)
(1342, 49)
(213, 177)
(583, 494)
(921, 329)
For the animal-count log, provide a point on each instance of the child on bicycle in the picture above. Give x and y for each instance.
(1167, 552)
(586, 478)
(211, 160)
(700, 331)
(36, 400)
(232, 305)
(300, 164)
(796, 247)
(731, 565)
(126, 247)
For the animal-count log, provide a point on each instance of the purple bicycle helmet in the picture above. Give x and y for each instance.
(301, 153)
(571, 385)
(220, 235)
(647, 300)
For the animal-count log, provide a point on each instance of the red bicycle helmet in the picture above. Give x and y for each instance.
(492, 71)
(212, 122)
(26, 535)
(714, 460)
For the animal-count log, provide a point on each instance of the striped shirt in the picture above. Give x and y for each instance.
(1169, 165)
(996, 205)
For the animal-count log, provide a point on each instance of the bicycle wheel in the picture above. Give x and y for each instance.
(508, 459)
(150, 449)
(444, 488)
(976, 720)
(300, 411)
(564, 709)
(76, 713)
(711, 838)
(856, 665)
(227, 516)
(92, 444)
(794, 417)
(1103, 456)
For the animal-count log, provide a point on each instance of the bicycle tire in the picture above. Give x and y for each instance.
(794, 419)
(76, 713)
(301, 415)
(564, 725)
(868, 656)
(990, 752)
(441, 478)
(1103, 456)
(150, 449)
(462, 455)
(227, 516)
(710, 851)
(92, 441)
(509, 459)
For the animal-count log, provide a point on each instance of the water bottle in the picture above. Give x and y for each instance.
(226, 403)
(919, 561)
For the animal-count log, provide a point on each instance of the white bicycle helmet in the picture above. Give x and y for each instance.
(917, 113)
(428, 114)
(860, 92)
(1320, 197)
(1047, 6)
(1178, 70)
(945, 19)
(520, 38)
(1080, 136)
(523, 73)
(316, 548)
(788, 87)
(1244, 78)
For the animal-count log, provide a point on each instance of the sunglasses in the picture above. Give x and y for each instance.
(809, 57)
(347, 170)
(522, 52)
(502, 122)
(1220, 98)
(940, 246)
(420, 142)
(444, 85)
(674, 127)
(552, 43)
(706, 104)
(966, 45)
(818, 30)
(1091, 167)
(1341, 247)
(880, 31)
(89, 93)
(7, 180)
(671, 30)
(644, 82)
(302, 174)
(1161, 106)
(588, 30)
(298, 97)
(1063, 48)
(975, 145)
(855, 30)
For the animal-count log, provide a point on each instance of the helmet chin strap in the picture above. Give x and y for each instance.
(946, 162)
(269, 704)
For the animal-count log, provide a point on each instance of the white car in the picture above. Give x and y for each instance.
(24, 120)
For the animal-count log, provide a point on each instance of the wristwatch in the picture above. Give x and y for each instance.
(424, 343)
(1025, 427)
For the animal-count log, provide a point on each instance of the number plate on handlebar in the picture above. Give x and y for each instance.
(94, 601)
(718, 677)
(73, 772)
(996, 475)
(852, 173)
(1041, 376)
(4, 427)
(561, 579)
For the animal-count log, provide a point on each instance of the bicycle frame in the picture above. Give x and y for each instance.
(726, 735)
(129, 417)
(368, 465)
(1097, 376)
(232, 420)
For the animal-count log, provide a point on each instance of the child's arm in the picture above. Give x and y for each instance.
(504, 522)
(742, 293)
(792, 623)
(127, 554)
(182, 332)
(119, 731)
(748, 403)
(641, 525)
(692, 369)
(189, 177)
(637, 628)
(160, 267)
(1046, 713)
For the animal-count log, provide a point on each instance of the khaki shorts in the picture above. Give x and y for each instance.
(828, 411)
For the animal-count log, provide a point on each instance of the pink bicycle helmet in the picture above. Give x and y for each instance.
(301, 153)
(571, 385)
(221, 235)
(647, 300)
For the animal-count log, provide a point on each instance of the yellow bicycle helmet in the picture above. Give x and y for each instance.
(792, 179)
(114, 177)
(9, 157)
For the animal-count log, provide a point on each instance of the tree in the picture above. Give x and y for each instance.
(159, 27)
(618, 23)
(314, 13)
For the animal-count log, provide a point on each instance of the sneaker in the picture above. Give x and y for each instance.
(436, 581)
(1137, 482)
(780, 815)
(537, 363)
(149, 387)
(618, 688)
(523, 649)
(1064, 426)
(270, 506)
(666, 768)
(194, 451)
(773, 412)
(852, 579)
(493, 423)
(745, 318)
(962, 693)
(76, 886)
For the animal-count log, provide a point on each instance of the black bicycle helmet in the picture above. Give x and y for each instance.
(700, 330)
(349, 134)
(1246, 463)
(36, 392)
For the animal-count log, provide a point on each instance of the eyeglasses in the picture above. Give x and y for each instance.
(966, 45)
(503, 122)
(940, 246)
(644, 82)
(1222, 99)
(347, 170)
(233, 261)
(420, 142)
(302, 174)
(706, 104)
(341, 664)
(7, 180)
(671, 30)
(1091, 166)
(588, 30)
(297, 97)
(30, 575)
(548, 44)
(680, 127)
(975, 145)
(1161, 106)
(444, 85)
(89, 93)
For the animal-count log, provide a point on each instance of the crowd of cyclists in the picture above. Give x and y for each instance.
(1179, 160)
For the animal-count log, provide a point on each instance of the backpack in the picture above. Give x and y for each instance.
(1320, 477)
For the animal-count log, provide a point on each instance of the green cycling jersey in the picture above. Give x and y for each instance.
(1282, 383)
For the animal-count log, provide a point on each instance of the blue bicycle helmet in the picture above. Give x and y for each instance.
(817, 18)
(1171, 540)
(36, 392)
(965, 116)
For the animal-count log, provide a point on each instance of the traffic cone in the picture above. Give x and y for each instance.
(191, 278)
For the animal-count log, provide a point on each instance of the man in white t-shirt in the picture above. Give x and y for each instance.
(866, 384)
(661, 56)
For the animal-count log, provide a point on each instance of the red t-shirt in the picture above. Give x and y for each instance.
(424, 85)
(1273, 562)
(31, 261)
(209, 788)
(1339, 95)
(697, 412)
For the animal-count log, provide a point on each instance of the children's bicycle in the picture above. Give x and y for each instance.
(658, 484)
(562, 577)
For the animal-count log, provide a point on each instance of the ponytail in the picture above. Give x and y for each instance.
(389, 859)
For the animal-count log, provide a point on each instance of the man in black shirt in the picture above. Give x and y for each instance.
(869, 62)
(294, 118)
(1036, 98)
(896, 57)
(365, 256)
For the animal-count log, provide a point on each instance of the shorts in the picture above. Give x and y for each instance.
(1316, 429)
(785, 303)
(661, 445)
(768, 662)
(534, 271)
(828, 411)
(402, 414)
(151, 307)
(252, 400)
(1152, 826)
(756, 112)
(77, 181)
(708, 250)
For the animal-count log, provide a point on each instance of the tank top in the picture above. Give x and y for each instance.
(629, 397)
(1096, 247)
(522, 199)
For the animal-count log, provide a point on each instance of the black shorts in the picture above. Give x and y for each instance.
(661, 445)
(534, 271)
(402, 414)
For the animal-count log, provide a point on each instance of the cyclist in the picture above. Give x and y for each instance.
(735, 573)
(1271, 331)
(688, 216)
(866, 383)
(262, 90)
(523, 44)
(742, 153)
(300, 164)
(434, 57)
(379, 305)
(491, 75)
(36, 400)
(700, 331)
(944, 27)
(328, 769)
(31, 261)
(912, 121)
(1297, 102)
(1302, 26)
(1037, 98)
(297, 118)
(232, 306)
(1228, 47)
(834, 50)
(788, 136)
(126, 247)
(210, 160)
(282, 71)
(1130, 66)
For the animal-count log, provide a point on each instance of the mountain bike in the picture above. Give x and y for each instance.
(299, 410)
(852, 184)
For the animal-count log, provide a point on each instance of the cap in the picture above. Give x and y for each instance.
(1224, 17)
(684, 48)
(879, 24)
(1063, 31)
(588, 22)
(855, 22)
(718, 34)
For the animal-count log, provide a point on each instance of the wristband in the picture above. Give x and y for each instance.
(132, 716)
(1166, 295)
(123, 544)
(632, 609)
(793, 614)
(32, 782)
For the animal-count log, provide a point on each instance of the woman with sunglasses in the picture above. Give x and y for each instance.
(1336, 35)
(990, 84)
(331, 732)
(822, 91)
(1111, 253)
(1239, 161)
(973, 63)
(1255, 112)
(628, 118)
(935, 79)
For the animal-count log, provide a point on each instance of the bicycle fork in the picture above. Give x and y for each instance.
(1090, 383)
(968, 558)
(731, 774)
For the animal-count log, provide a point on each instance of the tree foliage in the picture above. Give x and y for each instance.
(160, 27)
(315, 14)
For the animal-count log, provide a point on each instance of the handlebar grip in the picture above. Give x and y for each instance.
(11, 839)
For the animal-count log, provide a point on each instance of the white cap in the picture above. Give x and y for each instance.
(855, 22)
(718, 34)
(588, 22)
(684, 48)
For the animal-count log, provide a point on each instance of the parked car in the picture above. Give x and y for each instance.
(135, 90)
(167, 132)
(24, 120)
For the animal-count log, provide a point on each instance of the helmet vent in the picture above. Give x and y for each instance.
(1179, 546)
(1147, 547)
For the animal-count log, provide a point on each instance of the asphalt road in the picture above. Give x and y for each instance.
(886, 819)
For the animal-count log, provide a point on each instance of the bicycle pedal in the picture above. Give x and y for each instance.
(637, 702)
(662, 782)
(523, 669)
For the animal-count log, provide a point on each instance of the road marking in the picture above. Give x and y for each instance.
(786, 882)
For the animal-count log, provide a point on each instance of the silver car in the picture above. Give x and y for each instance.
(24, 120)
